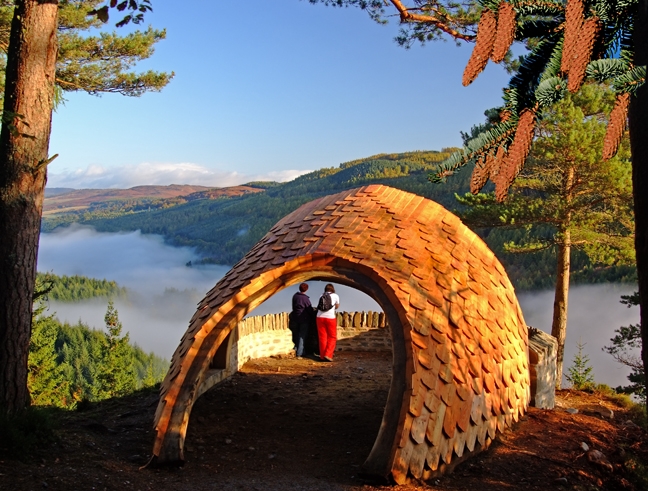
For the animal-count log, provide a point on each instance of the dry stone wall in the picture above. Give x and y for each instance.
(268, 335)
(260, 336)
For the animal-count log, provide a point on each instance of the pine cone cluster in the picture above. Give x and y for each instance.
(485, 168)
(495, 34)
(574, 18)
(616, 126)
(480, 174)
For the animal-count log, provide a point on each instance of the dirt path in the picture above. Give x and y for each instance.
(288, 424)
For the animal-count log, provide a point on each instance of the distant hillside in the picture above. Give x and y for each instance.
(75, 288)
(49, 192)
(79, 204)
(222, 226)
(84, 198)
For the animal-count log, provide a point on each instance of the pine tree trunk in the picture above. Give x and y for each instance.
(24, 142)
(561, 297)
(639, 145)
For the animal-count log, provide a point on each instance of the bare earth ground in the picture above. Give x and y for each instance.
(289, 424)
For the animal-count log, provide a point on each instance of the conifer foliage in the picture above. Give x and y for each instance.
(625, 348)
(571, 43)
(581, 374)
(46, 378)
(117, 371)
(566, 191)
(97, 63)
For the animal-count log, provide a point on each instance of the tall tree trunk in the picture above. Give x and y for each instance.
(24, 142)
(563, 267)
(639, 145)
(561, 298)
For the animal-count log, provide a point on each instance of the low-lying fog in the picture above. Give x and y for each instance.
(163, 293)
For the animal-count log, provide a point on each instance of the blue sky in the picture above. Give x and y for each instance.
(268, 93)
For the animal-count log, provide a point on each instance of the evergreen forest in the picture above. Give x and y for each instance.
(75, 288)
(222, 230)
(73, 365)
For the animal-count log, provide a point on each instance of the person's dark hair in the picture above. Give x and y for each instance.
(303, 287)
(329, 288)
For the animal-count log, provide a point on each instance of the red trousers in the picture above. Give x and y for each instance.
(327, 334)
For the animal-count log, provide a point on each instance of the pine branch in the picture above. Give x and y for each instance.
(406, 15)
(477, 146)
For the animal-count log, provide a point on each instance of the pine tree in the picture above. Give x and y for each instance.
(94, 63)
(116, 375)
(565, 185)
(626, 340)
(46, 377)
(580, 374)
(80, 354)
(150, 379)
(29, 99)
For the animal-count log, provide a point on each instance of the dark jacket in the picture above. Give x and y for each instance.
(301, 307)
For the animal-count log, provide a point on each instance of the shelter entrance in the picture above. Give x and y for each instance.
(460, 362)
(296, 420)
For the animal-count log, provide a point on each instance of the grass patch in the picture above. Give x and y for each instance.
(634, 411)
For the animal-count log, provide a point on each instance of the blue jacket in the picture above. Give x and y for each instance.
(301, 307)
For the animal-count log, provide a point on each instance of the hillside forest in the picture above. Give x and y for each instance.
(223, 227)
(71, 365)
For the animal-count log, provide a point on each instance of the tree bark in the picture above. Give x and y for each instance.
(561, 298)
(24, 142)
(563, 268)
(639, 144)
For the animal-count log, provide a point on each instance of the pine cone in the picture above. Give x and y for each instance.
(583, 48)
(496, 163)
(486, 31)
(506, 26)
(479, 174)
(574, 18)
(616, 126)
(517, 154)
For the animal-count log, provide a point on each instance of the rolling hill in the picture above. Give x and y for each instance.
(223, 224)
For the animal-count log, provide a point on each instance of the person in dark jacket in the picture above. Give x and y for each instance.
(302, 313)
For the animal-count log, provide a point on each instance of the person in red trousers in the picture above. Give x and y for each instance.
(327, 325)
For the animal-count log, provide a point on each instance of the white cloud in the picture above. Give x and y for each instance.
(122, 177)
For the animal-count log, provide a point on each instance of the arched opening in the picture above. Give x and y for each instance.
(221, 359)
(296, 419)
(358, 277)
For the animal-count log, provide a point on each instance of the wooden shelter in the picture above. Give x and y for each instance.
(460, 343)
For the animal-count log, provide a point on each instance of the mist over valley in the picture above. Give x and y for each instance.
(163, 292)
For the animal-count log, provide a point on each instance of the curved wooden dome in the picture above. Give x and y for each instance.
(460, 367)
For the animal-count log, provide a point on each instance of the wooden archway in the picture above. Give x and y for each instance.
(460, 367)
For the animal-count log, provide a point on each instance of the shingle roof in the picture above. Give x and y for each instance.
(465, 341)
